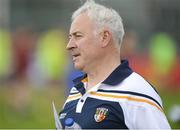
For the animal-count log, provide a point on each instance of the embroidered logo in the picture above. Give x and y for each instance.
(100, 114)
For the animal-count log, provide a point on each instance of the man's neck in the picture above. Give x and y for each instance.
(102, 71)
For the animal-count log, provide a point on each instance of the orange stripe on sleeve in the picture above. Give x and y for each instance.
(74, 96)
(126, 97)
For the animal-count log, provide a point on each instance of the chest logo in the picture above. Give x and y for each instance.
(100, 114)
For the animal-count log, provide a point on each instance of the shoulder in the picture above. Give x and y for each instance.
(136, 90)
(137, 84)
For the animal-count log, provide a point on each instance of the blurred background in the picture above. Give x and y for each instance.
(35, 68)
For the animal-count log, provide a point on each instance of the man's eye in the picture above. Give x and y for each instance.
(78, 35)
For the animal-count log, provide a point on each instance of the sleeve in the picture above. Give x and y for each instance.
(144, 117)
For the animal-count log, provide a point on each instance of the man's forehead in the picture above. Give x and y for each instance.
(80, 22)
(75, 30)
(79, 19)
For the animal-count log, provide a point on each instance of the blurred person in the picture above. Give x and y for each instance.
(5, 55)
(110, 94)
(162, 53)
(49, 59)
(174, 78)
(130, 51)
(23, 42)
(129, 44)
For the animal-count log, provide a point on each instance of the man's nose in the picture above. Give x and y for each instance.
(71, 44)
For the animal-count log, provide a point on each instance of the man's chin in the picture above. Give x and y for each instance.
(78, 67)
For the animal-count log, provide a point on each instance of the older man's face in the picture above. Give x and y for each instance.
(84, 43)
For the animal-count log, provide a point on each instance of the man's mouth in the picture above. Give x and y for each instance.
(75, 56)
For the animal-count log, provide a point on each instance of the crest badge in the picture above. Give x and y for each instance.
(100, 114)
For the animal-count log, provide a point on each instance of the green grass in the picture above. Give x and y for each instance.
(30, 110)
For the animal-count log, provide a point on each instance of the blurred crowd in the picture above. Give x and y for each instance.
(159, 62)
(41, 58)
(37, 58)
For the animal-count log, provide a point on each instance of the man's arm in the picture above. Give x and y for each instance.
(144, 116)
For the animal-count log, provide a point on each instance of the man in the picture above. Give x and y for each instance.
(110, 95)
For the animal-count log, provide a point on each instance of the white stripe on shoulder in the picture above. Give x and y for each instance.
(134, 83)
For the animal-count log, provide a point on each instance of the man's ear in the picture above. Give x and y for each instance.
(106, 37)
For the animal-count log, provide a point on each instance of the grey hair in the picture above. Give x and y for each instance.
(103, 16)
